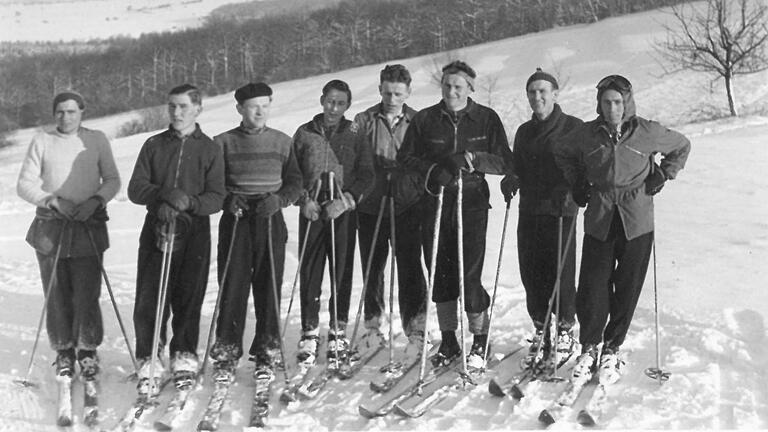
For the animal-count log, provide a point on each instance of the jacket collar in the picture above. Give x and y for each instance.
(318, 126)
(171, 132)
(470, 111)
(251, 131)
(553, 117)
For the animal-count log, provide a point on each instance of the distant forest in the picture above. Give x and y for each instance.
(122, 74)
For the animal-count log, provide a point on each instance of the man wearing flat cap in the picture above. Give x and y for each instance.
(70, 175)
(261, 177)
(544, 211)
(458, 136)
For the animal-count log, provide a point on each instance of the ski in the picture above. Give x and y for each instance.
(349, 369)
(312, 388)
(184, 387)
(438, 394)
(516, 385)
(91, 402)
(387, 406)
(591, 413)
(344, 371)
(222, 382)
(290, 393)
(393, 374)
(64, 412)
(260, 406)
(143, 405)
(565, 401)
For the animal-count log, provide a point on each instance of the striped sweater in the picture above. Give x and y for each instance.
(260, 161)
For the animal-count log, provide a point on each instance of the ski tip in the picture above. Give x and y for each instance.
(495, 389)
(205, 425)
(546, 417)
(585, 418)
(365, 412)
(401, 411)
(162, 426)
(517, 392)
(64, 421)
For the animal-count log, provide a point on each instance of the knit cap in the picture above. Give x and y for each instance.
(252, 90)
(540, 75)
(68, 95)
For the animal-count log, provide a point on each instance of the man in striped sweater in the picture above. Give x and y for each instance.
(261, 177)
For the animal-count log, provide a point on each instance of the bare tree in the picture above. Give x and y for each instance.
(724, 37)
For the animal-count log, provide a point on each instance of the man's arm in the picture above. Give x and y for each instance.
(673, 146)
(498, 158)
(141, 190)
(411, 151)
(567, 157)
(110, 176)
(364, 172)
(211, 199)
(30, 184)
(292, 186)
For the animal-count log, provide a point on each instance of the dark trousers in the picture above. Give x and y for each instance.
(318, 251)
(250, 271)
(412, 285)
(610, 280)
(537, 255)
(73, 315)
(447, 267)
(186, 287)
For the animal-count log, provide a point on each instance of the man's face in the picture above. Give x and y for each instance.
(255, 111)
(542, 97)
(393, 96)
(455, 92)
(612, 106)
(182, 112)
(335, 103)
(68, 116)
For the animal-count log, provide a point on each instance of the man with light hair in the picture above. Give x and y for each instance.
(458, 136)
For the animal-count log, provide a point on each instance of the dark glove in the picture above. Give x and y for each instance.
(236, 204)
(655, 180)
(439, 176)
(166, 213)
(64, 207)
(560, 200)
(85, 209)
(268, 206)
(509, 186)
(176, 198)
(310, 210)
(582, 192)
(338, 206)
(454, 163)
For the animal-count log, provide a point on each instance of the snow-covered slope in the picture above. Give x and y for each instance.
(712, 239)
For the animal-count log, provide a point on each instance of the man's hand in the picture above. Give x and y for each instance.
(310, 210)
(655, 180)
(509, 186)
(439, 176)
(268, 206)
(455, 163)
(176, 198)
(85, 210)
(236, 204)
(582, 192)
(166, 213)
(338, 206)
(559, 200)
(64, 207)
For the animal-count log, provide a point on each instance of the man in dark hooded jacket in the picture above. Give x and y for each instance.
(610, 163)
(542, 217)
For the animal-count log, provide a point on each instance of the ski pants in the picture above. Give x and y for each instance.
(446, 288)
(73, 315)
(249, 272)
(610, 280)
(185, 291)
(317, 252)
(412, 285)
(537, 255)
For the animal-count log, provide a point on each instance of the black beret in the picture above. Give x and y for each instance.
(252, 90)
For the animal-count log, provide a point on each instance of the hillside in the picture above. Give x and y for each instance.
(712, 241)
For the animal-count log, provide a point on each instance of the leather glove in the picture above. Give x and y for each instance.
(236, 204)
(64, 207)
(176, 198)
(655, 180)
(166, 213)
(509, 186)
(310, 210)
(268, 206)
(582, 192)
(85, 210)
(454, 163)
(338, 206)
(439, 176)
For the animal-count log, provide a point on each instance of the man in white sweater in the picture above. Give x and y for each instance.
(70, 175)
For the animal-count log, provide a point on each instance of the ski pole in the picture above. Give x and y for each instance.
(112, 297)
(460, 241)
(430, 285)
(392, 240)
(656, 373)
(303, 249)
(26, 382)
(556, 292)
(219, 295)
(165, 270)
(496, 280)
(276, 297)
(369, 261)
(332, 272)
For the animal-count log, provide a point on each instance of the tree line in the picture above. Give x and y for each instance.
(123, 74)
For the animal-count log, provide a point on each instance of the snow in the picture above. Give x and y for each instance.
(712, 240)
